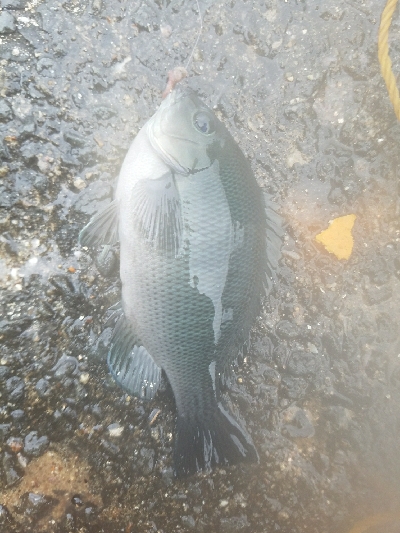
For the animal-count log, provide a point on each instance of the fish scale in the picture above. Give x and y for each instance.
(193, 236)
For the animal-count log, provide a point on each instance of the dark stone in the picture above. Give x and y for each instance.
(294, 388)
(5, 516)
(287, 330)
(77, 500)
(4, 431)
(188, 521)
(17, 415)
(107, 261)
(7, 23)
(74, 139)
(15, 387)
(93, 198)
(301, 364)
(33, 504)
(4, 372)
(5, 110)
(4, 153)
(11, 471)
(13, 4)
(103, 112)
(43, 388)
(234, 523)
(299, 426)
(35, 445)
(145, 460)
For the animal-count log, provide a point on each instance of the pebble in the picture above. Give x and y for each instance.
(188, 521)
(42, 388)
(10, 469)
(7, 25)
(84, 378)
(15, 387)
(4, 431)
(35, 445)
(15, 444)
(300, 425)
(5, 110)
(32, 503)
(5, 516)
(115, 430)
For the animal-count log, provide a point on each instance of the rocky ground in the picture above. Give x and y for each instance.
(298, 84)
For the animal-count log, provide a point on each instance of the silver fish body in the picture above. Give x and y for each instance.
(192, 227)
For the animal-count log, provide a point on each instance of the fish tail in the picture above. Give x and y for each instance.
(203, 443)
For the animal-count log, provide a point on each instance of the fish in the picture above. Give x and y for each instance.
(198, 251)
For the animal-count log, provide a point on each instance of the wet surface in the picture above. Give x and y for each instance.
(298, 85)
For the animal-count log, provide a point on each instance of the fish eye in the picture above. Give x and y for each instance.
(204, 123)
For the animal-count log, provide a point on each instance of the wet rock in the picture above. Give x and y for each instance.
(93, 198)
(302, 364)
(234, 523)
(15, 444)
(107, 261)
(145, 460)
(376, 295)
(11, 470)
(43, 388)
(74, 139)
(294, 388)
(33, 505)
(5, 516)
(299, 426)
(188, 521)
(4, 372)
(7, 24)
(17, 415)
(167, 476)
(77, 500)
(66, 366)
(15, 387)
(35, 445)
(115, 430)
(340, 417)
(5, 110)
(110, 447)
(13, 4)
(287, 330)
(4, 152)
(4, 431)
(103, 112)
(332, 344)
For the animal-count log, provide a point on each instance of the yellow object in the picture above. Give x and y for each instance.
(383, 55)
(375, 521)
(338, 239)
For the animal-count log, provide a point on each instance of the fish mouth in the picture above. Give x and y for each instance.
(156, 129)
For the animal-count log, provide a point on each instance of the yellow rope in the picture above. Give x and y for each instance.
(383, 55)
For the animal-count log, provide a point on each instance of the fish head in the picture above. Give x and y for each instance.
(185, 132)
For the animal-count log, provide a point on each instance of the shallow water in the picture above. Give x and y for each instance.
(299, 87)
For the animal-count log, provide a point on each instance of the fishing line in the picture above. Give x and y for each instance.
(198, 36)
(179, 73)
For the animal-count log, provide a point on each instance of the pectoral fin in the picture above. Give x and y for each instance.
(102, 228)
(157, 209)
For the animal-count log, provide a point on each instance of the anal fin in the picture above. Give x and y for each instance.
(130, 363)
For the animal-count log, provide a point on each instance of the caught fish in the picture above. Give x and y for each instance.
(193, 233)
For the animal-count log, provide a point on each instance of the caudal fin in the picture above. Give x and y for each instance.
(202, 444)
